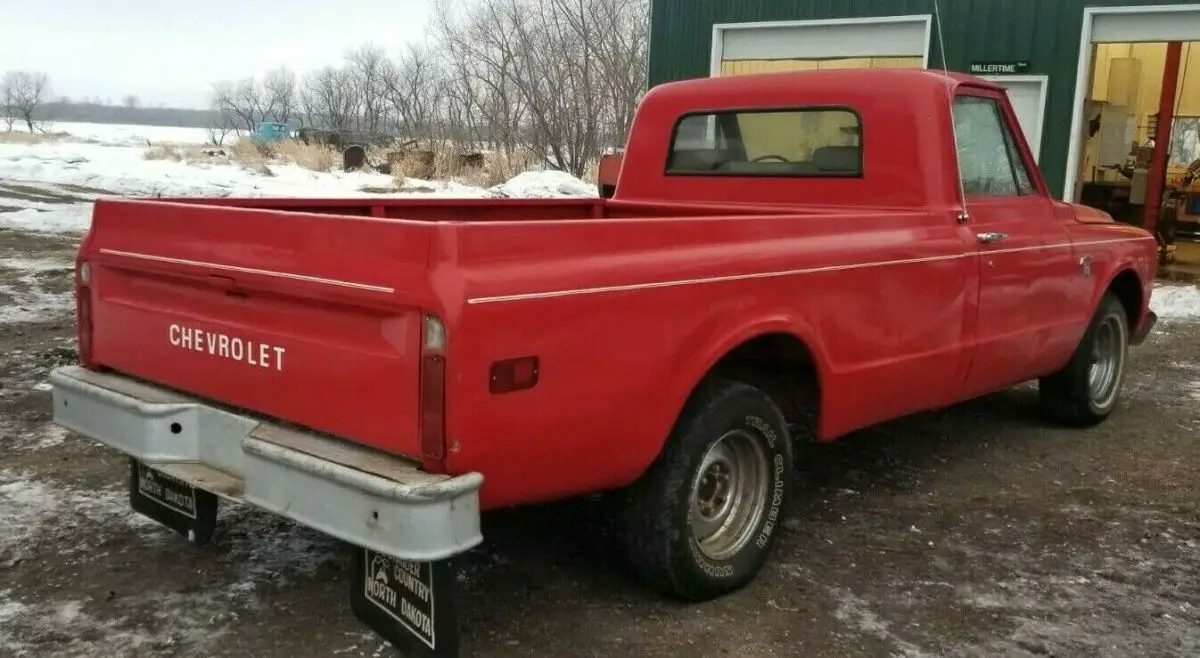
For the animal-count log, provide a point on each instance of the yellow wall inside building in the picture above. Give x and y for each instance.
(748, 66)
(1153, 58)
(1145, 85)
(1117, 79)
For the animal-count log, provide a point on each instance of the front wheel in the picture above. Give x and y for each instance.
(1086, 390)
(701, 522)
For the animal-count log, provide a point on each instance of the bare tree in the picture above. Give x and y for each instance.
(368, 69)
(227, 101)
(328, 98)
(248, 102)
(131, 101)
(477, 39)
(279, 93)
(8, 97)
(26, 92)
(415, 88)
(220, 127)
(557, 78)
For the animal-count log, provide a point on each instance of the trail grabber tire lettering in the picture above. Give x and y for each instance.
(701, 522)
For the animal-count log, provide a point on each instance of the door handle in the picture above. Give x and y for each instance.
(987, 238)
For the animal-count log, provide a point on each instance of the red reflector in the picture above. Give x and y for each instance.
(433, 407)
(514, 375)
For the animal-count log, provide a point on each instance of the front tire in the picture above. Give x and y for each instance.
(703, 519)
(1087, 389)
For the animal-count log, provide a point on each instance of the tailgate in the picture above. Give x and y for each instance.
(311, 319)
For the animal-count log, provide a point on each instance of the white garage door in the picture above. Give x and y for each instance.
(890, 36)
(1144, 24)
(1027, 93)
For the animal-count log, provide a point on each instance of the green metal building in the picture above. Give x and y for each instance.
(1055, 57)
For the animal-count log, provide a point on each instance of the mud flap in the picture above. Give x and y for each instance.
(410, 604)
(172, 502)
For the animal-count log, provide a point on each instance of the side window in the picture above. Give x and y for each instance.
(1024, 183)
(988, 160)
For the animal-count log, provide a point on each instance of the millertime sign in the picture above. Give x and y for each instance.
(999, 68)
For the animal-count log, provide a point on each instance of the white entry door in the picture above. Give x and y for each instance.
(1027, 93)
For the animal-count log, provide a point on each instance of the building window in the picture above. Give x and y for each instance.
(817, 142)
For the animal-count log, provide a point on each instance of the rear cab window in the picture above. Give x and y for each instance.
(801, 142)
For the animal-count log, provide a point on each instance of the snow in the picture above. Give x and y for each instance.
(25, 299)
(1175, 302)
(42, 516)
(118, 134)
(545, 184)
(31, 509)
(74, 218)
(125, 170)
(48, 186)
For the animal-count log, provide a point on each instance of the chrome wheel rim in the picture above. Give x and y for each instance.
(1107, 361)
(729, 494)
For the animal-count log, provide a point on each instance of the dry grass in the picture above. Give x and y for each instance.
(163, 152)
(310, 156)
(176, 153)
(449, 164)
(23, 137)
(591, 173)
(246, 152)
(446, 164)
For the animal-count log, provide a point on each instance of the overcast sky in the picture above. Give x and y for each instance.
(168, 51)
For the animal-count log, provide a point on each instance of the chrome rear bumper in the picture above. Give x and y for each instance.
(363, 496)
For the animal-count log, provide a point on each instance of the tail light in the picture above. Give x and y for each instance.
(83, 311)
(433, 394)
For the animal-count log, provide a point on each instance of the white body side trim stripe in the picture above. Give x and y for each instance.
(622, 287)
(783, 273)
(250, 270)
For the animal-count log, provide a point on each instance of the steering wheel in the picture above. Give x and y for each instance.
(770, 156)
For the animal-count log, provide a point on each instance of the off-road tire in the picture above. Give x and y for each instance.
(1067, 396)
(656, 523)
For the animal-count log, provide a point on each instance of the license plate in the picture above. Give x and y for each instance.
(411, 604)
(172, 502)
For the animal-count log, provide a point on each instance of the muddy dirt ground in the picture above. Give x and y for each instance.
(977, 531)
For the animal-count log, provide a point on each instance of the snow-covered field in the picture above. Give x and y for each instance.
(97, 159)
(121, 134)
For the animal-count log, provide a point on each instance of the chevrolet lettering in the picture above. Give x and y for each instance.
(222, 345)
(769, 264)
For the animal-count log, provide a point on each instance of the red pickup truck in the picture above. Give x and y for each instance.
(786, 257)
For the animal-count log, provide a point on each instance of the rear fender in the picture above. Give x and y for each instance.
(717, 345)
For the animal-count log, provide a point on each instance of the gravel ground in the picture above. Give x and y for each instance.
(973, 531)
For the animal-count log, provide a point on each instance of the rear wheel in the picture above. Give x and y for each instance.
(701, 522)
(1086, 390)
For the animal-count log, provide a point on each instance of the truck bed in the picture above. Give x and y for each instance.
(311, 310)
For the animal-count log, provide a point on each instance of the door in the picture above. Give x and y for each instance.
(892, 41)
(1027, 95)
(1023, 251)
